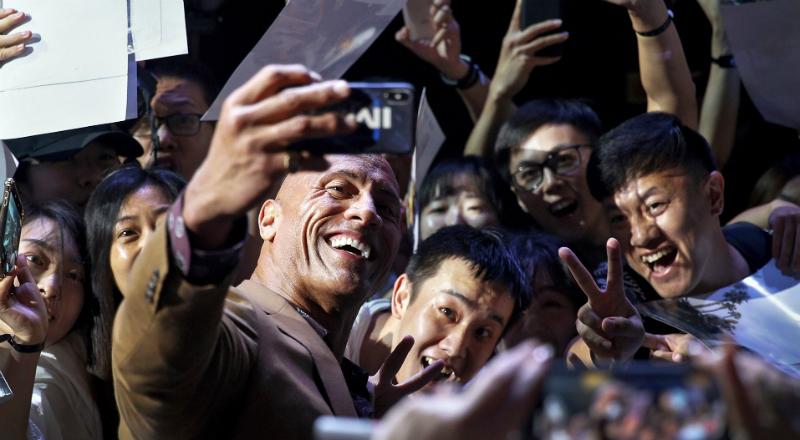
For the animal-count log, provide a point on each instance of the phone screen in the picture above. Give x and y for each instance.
(642, 401)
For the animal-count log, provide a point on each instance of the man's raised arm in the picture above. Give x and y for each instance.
(178, 360)
(662, 64)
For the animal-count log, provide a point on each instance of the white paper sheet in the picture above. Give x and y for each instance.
(765, 40)
(80, 40)
(58, 107)
(326, 36)
(76, 75)
(760, 313)
(158, 28)
(429, 139)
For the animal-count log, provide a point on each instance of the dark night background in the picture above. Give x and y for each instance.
(599, 64)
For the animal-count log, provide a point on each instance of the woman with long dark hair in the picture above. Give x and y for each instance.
(121, 213)
(60, 398)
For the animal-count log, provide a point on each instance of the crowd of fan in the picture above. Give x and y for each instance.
(190, 279)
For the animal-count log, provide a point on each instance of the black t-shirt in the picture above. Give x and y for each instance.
(754, 243)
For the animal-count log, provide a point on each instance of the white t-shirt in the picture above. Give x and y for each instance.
(361, 326)
(62, 404)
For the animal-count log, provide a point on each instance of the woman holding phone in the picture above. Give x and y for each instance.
(56, 302)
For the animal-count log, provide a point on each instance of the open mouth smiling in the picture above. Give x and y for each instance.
(563, 208)
(351, 245)
(659, 261)
(445, 374)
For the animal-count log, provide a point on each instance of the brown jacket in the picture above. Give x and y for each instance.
(208, 362)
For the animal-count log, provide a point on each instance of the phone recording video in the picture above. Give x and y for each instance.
(642, 401)
(537, 11)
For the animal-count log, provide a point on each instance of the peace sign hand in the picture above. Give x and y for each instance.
(608, 323)
(387, 392)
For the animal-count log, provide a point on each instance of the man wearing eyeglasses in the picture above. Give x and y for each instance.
(544, 149)
(183, 93)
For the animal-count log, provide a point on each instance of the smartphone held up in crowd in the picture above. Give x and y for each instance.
(385, 114)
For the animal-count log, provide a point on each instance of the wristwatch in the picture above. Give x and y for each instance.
(21, 348)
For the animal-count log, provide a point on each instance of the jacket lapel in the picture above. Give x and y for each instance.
(296, 327)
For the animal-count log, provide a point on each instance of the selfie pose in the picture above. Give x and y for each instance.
(61, 399)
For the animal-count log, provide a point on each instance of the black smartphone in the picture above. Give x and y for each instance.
(643, 400)
(385, 115)
(536, 11)
(11, 225)
(5, 390)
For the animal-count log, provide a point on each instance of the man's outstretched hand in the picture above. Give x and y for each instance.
(608, 323)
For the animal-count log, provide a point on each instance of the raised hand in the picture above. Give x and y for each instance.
(761, 400)
(386, 391)
(258, 121)
(608, 323)
(785, 224)
(443, 50)
(12, 45)
(495, 403)
(518, 55)
(22, 310)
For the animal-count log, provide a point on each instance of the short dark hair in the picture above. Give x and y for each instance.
(537, 252)
(440, 182)
(537, 113)
(101, 215)
(70, 222)
(484, 250)
(184, 67)
(650, 143)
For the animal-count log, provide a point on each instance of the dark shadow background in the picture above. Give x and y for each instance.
(599, 65)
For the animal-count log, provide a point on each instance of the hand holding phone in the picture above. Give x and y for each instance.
(11, 225)
(385, 116)
(538, 11)
(523, 50)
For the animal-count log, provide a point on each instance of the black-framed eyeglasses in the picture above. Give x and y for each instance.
(564, 161)
(180, 124)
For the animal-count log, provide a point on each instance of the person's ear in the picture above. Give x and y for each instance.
(268, 220)
(401, 296)
(715, 192)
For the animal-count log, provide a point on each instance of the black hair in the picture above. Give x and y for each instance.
(70, 223)
(484, 250)
(537, 252)
(184, 67)
(650, 143)
(101, 215)
(439, 182)
(594, 177)
(537, 113)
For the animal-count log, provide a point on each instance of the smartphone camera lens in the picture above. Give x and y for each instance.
(399, 96)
